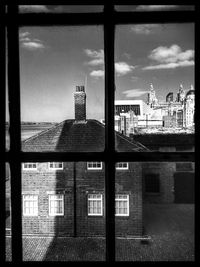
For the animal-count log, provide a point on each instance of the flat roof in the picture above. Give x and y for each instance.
(128, 102)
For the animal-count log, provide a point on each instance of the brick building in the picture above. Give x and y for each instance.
(168, 182)
(68, 198)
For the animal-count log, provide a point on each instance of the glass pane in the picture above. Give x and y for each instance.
(156, 222)
(60, 222)
(62, 88)
(155, 92)
(139, 8)
(60, 8)
(8, 215)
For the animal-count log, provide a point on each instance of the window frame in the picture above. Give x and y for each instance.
(122, 168)
(37, 200)
(94, 168)
(152, 175)
(29, 169)
(128, 205)
(109, 18)
(52, 214)
(54, 168)
(95, 199)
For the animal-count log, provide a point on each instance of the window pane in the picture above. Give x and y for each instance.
(54, 212)
(60, 8)
(62, 88)
(148, 8)
(155, 94)
(8, 232)
(159, 201)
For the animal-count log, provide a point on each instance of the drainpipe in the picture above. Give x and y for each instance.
(74, 180)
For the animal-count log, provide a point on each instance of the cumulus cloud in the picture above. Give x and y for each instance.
(122, 68)
(170, 58)
(97, 57)
(33, 8)
(134, 92)
(33, 45)
(30, 43)
(145, 28)
(156, 7)
(97, 73)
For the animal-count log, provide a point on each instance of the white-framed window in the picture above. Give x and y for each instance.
(56, 165)
(95, 204)
(56, 205)
(30, 205)
(122, 166)
(121, 205)
(94, 165)
(29, 166)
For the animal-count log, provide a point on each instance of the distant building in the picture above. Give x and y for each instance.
(152, 100)
(189, 108)
(131, 115)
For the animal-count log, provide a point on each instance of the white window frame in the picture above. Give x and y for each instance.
(29, 169)
(94, 167)
(122, 168)
(55, 168)
(122, 199)
(55, 196)
(33, 214)
(89, 198)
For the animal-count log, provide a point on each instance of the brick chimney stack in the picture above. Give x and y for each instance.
(80, 103)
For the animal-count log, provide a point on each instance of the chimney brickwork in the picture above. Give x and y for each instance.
(80, 103)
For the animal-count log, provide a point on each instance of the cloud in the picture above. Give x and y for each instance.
(134, 92)
(156, 7)
(170, 58)
(33, 8)
(97, 57)
(127, 55)
(23, 34)
(170, 65)
(33, 45)
(145, 28)
(97, 73)
(30, 43)
(122, 68)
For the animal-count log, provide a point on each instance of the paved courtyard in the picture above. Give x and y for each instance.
(171, 228)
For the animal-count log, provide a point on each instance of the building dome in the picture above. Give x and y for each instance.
(190, 92)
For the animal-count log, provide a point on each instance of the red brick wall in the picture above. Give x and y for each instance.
(41, 182)
(87, 181)
(166, 175)
(130, 182)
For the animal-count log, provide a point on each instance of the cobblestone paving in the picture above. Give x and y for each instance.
(172, 239)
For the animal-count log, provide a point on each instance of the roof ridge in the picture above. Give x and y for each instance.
(42, 132)
(125, 137)
(131, 142)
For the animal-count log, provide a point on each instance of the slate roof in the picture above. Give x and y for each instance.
(70, 136)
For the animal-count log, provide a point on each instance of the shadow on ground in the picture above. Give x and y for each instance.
(171, 228)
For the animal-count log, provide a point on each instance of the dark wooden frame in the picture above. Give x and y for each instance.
(11, 21)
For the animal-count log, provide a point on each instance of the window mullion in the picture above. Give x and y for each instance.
(109, 134)
(15, 132)
(2, 122)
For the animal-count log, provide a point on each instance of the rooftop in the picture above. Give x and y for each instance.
(72, 136)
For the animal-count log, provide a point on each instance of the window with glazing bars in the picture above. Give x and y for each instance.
(12, 20)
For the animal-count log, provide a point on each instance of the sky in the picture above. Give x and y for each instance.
(53, 60)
